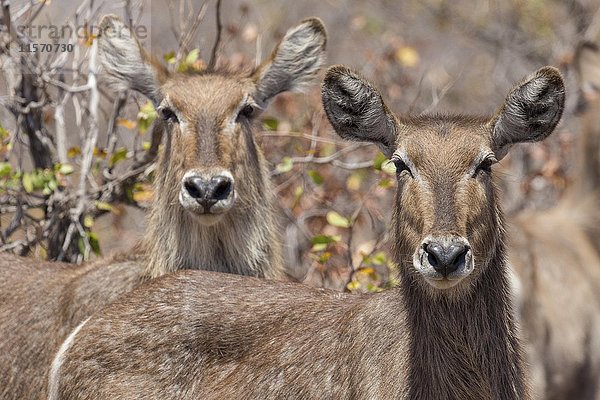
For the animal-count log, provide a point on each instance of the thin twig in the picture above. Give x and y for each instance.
(61, 131)
(111, 131)
(187, 38)
(213, 54)
(325, 160)
(88, 150)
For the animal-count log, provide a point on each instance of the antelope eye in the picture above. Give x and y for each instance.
(401, 166)
(484, 167)
(168, 115)
(248, 111)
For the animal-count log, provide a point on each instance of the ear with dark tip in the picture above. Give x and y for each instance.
(356, 110)
(294, 62)
(531, 111)
(125, 65)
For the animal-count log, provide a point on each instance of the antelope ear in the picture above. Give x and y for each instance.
(125, 64)
(294, 62)
(531, 111)
(356, 110)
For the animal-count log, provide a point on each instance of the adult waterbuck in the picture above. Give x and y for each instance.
(555, 254)
(213, 204)
(446, 333)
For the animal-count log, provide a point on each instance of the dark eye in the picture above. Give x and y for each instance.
(168, 115)
(401, 166)
(248, 111)
(484, 167)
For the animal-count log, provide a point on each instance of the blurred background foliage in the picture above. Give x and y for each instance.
(335, 198)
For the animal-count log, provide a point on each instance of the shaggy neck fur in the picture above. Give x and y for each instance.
(464, 347)
(243, 242)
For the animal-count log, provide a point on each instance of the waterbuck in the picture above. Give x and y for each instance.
(446, 333)
(555, 254)
(213, 204)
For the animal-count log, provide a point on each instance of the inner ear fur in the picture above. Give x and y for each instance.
(125, 65)
(356, 110)
(295, 61)
(531, 111)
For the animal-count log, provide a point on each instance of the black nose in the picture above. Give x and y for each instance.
(446, 256)
(208, 191)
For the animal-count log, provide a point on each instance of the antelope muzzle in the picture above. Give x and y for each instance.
(444, 260)
(207, 194)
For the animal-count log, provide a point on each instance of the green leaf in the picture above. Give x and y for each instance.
(270, 123)
(336, 219)
(192, 56)
(66, 169)
(323, 258)
(389, 168)
(3, 133)
(52, 185)
(73, 151)
(94, 243)
(353, 285)
(170, 57)
(119, 155)
(385, 183)
(325, 239)
(379, 258)
(81, 245)
(316, 177)
(298, 192)
(285, 165)
(372, 288)
(88, 221)
(379, 160)
(319, 247)
(101, 205)
(5, 169)
(27, 182)
(146, 117)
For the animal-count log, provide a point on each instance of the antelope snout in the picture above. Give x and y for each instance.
(207, 193)
(446, 257)
(444, 260)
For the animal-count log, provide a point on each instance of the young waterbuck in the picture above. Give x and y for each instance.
(213, 209)
(555, 254)
(446, 333)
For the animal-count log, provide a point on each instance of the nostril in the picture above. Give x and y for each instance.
(193, 188)
(445, 257)
(432, 260)
(434, 255)
(456, 255)
(222, 188)
(461, 259)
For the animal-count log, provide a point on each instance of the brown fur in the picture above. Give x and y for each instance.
(555, 254)
(197, 334)
(40, 303)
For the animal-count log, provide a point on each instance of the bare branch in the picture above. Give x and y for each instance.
(213, 55)
(87, 152)
(192, 31)
(111, 131)
(61, 133)
(311, 159)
